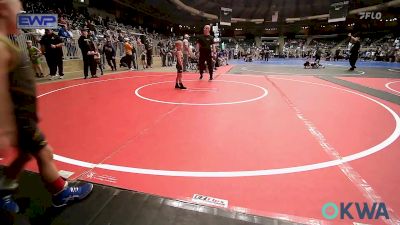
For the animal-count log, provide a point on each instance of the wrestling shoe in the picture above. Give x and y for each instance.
(7, 203)
(72, 194)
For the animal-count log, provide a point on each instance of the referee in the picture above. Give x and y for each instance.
(355, 40)
(205, 45)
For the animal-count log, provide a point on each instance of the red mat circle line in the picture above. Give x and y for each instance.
(99, 81)
(202, 104)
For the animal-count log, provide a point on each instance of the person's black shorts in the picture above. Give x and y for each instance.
(179, 68)
(23, 94)
(30, 138)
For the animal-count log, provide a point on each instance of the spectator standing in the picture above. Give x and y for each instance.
(87, 54)
(185, 52)
(163, 54)
(52, 48)
(110, 53)
(120, 39)
(128, 53)
(34, 55)
(149, 53)
(98, 57)
(337, 54)
(66, 37)
(266, 53)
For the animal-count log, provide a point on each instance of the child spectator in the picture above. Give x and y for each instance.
(34, 55)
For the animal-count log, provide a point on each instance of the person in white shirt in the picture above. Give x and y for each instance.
(185, 52)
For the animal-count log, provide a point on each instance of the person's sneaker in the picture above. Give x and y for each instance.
(7, 203)
(177, 85)
(61, 77)
(201, 76)
(72, 194)
(211, 78)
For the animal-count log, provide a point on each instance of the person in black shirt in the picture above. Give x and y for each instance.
(163, 53)
(318, 54)
(52, 48)
(266, 53)
(337, 54)
(149, 54)
(109, 51)
(205, 45)
(87, 54)
(354, 51)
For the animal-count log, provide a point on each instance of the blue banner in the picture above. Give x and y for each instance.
(37, 21)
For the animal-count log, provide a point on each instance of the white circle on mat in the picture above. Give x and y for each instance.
(249, 173)
(388, 86)
(265, 93)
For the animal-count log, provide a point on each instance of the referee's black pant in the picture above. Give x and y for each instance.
(353, 59)
(205, 57)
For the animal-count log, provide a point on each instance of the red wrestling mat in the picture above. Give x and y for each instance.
(269, 146)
